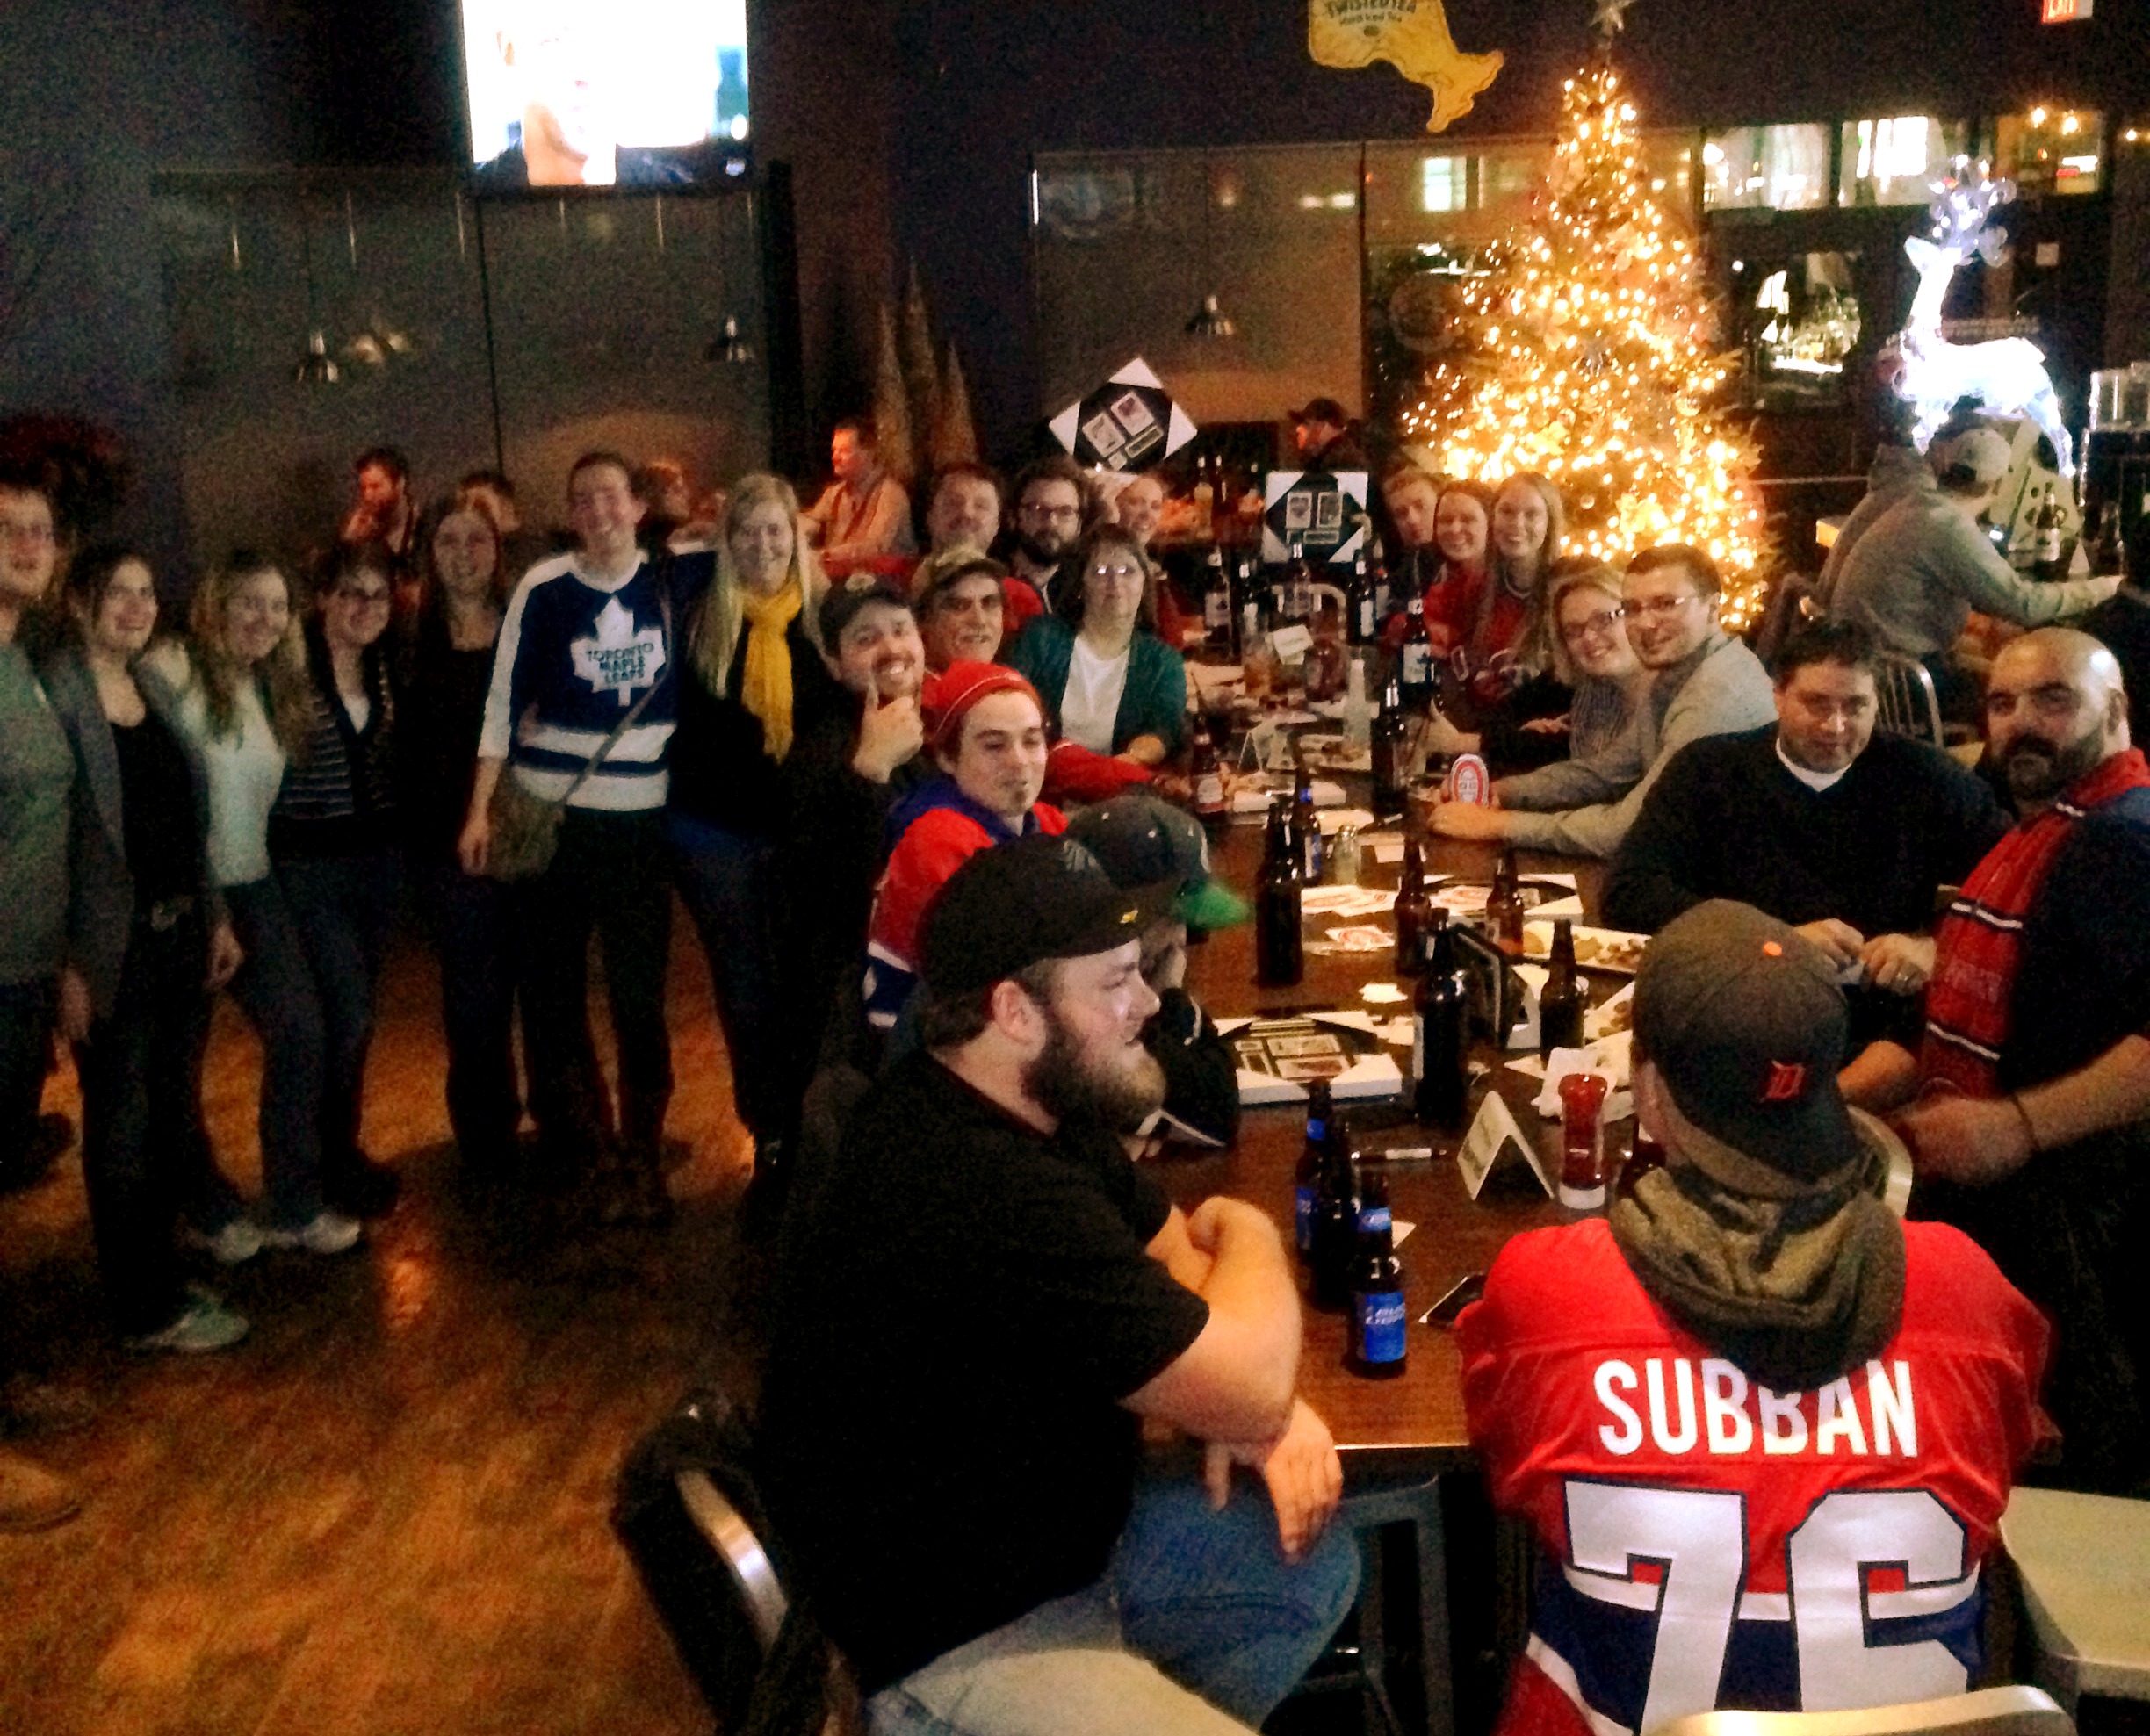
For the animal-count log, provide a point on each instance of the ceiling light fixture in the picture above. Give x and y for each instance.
(1210, 320)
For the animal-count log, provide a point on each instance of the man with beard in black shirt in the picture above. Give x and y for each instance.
(983, 1302)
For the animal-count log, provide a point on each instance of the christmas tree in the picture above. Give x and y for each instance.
(1584, 348)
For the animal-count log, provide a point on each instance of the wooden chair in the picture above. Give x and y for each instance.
(1991, 1712)
(1908, 705)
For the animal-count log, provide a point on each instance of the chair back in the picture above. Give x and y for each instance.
(1991, 1712)
(689, 1511)
(1908, 704)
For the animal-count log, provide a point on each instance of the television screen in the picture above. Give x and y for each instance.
(602, 93)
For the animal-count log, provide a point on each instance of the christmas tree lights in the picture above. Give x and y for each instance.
(1585, 347)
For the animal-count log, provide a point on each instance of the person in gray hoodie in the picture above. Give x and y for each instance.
(1705, 683)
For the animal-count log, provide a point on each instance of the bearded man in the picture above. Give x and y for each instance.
(980, 1306)
(2027, 1107)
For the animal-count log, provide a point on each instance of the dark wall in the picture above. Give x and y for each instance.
(94, 95)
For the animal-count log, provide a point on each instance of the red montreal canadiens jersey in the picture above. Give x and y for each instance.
(1704, 1542)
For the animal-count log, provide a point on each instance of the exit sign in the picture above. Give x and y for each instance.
(2065, 11)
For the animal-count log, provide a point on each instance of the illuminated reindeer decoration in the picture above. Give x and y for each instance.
(2008, 376)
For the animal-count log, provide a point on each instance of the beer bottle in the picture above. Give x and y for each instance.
(1336, 1230)
(1307, 824)
(1313, 1158)
(1291, 599)
(1205, 501)
(1383, 598)
(1440, 1032)
(1365, 620)
(1216, 601)
(1414, 909)
(1391, 749)
(1416, 666)
(1210, 807)
(1560, 1005)
(1279, 954)
(1377, 1320)
(1504, 911)
(2049, 540)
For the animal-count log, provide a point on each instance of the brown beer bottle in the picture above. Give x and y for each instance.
(1559, 1008)
(1413, 905)
(1503, 911)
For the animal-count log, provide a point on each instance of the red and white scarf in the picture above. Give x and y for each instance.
(1980, 941)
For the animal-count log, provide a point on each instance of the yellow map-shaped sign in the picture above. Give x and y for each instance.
(1410, 34)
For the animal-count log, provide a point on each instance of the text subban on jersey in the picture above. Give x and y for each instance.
(1683, 1405)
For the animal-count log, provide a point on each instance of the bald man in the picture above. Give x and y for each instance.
(2027, 1107)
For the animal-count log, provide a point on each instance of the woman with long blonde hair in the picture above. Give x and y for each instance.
(245, 700)
(758, 676)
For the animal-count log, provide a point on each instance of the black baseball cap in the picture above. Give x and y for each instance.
(847, 596)
(1742, 1018)
(1321, 410)
(1144, 842)
(1016, 904)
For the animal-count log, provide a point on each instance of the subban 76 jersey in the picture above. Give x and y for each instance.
(1704, 1542)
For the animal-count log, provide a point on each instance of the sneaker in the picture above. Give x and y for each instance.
(31, 1498)
(232, 1244)
(204, 1324)
(326, 1232)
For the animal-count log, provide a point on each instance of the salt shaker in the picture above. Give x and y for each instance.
(1344, 857)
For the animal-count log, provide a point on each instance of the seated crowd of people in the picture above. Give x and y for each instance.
(918, 807)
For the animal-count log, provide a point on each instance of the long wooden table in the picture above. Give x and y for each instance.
(1418, 1414)
(1397, 1438)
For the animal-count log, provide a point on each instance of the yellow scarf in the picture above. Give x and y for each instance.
(765, 685)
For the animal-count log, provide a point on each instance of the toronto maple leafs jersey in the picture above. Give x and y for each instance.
(1704, 1542)
(575, 654)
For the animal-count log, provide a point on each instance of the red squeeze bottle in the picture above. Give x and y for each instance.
(1582, 1165)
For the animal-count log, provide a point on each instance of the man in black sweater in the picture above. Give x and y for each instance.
(1817, 820)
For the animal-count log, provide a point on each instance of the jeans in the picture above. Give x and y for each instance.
(469, 917)
(25, 1029)
(145, 1152)
(275, 989)
(608, 875)
(344, 909)
(1199, 1627)
(729, 884)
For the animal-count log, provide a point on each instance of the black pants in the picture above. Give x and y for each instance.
(343, 908)
(145, 1154)
(26, 1033)
(473, 934)
(609, 876)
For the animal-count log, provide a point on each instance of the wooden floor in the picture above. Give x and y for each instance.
(385, 1512)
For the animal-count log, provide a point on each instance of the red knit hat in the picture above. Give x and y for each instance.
(949, 696)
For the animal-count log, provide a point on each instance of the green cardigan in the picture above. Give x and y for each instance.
(1152, 703)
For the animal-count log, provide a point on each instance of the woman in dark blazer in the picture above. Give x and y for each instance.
(148, 942)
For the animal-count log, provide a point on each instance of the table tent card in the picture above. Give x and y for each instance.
(1129, 422)
(1278, 1056)
(1496, 1140)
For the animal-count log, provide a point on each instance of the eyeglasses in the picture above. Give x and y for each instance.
(363, 598)
(1602, 624)
(1662, 609)
(1058, 515)
(1122, 573)
(36, 536)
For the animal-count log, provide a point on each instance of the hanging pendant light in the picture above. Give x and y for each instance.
(317, 366)
(1210, 320)
(730, 345)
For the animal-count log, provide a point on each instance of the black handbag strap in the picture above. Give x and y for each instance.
(627, 718)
